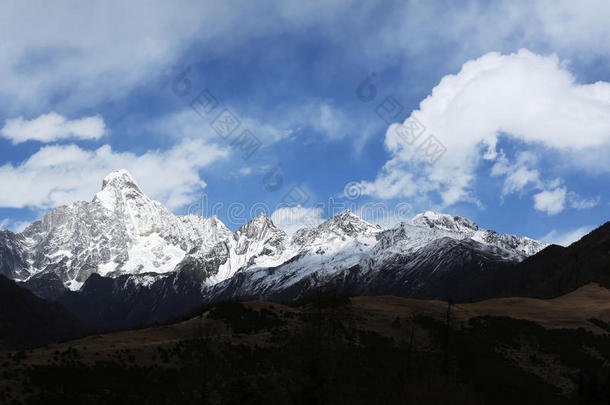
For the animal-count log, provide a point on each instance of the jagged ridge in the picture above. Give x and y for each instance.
(123, 233)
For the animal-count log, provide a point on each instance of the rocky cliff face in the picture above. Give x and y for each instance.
(433, 256)
(121, 231)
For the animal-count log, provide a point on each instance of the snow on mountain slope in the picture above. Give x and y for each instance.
(339, 243)
(335, 244)
(12, 255)
(258, 243)
(435, 220)
(408, 237)
(337, 249)
(515, 247)
(122, 232)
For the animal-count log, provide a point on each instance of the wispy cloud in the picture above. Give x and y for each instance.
(518, 174)
(52, 127)
(15, 226)
(61, 174)
(579, 203)
(566, 237)
(291, 219)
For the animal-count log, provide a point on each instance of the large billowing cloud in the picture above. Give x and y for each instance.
(531, 98)
(61, 174)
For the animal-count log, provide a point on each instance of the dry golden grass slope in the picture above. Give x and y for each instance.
(377, 314)
(572, 310)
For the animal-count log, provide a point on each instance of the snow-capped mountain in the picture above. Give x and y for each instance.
(258, 243)
(349, 253)
(121, 231)
(123, 235)
(408, 237)
(12, 256)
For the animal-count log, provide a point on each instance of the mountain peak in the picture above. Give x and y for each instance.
(116, 186)
(347, 215)
(261, 219)
(119, 179)
(348, 222)
(437, 220)
(257, 225)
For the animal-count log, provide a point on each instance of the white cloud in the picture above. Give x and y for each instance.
(61, 174)
(19, 226)
(579, 203)
(552, 202)
(52, 127)
(382, 214)
(518, 174)
(83, 63)
(86, 53)
(529, 97)
(245, 171)
(567, 237)
(280, 123)
(322, 116)
(572, 28)
(326, 119)
(182, 124)
(291, 219)
(100, 52)
(15, 226)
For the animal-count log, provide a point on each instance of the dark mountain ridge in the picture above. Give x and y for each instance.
(459, 271)
(27, 320)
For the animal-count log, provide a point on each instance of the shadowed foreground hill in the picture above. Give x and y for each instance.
(27, 321)
(449, 270)
(552, 272)
(334, 349)
(557, 270)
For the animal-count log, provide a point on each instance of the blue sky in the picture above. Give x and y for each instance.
(516, 94)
